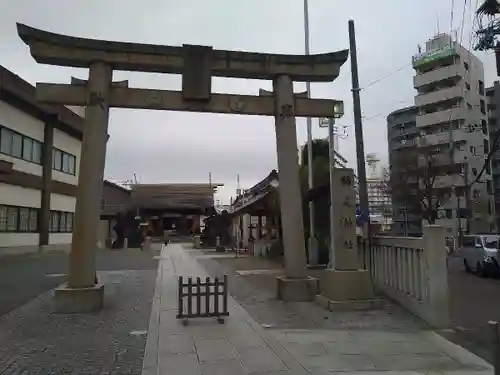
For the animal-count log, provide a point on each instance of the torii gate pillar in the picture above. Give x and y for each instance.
(295, 285)
(82, 294)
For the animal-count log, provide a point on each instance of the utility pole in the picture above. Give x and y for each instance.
(358, 128)
(137, 212)
(331, 152)
(312, 243)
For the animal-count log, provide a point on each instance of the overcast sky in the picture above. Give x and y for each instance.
(185, 147)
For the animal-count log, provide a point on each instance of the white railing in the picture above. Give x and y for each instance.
(412, 271)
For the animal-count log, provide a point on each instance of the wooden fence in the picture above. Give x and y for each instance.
(203, 299)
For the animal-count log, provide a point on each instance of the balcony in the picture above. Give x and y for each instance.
(447, 115)
(439, 74)
(396, 145)
(438, 96)
(442, 138)
(448, 181)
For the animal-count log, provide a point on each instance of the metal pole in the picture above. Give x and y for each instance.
(358, 128)
(331, 152)
(313, 258)
(495, 346)
(406, 219)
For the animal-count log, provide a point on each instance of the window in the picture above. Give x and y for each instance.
(466, 66)
(72, 164)
(449, 214)
(486, 144)
(18, 219)
(63, 162)
(28, 149)
(3, 218)
(469, 106)
(6, 141)
(480, 87)
(24, 219)
(54, 221)
(472, 150)
(69, 221)
(12, 218)
(483, 106)
(33, 220)
(37, 152)
(17, 145)
(492, 121)
(20, 146)
(484, 126)
(57, 160)
(61, 222)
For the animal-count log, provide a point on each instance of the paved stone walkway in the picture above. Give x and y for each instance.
(242, 346)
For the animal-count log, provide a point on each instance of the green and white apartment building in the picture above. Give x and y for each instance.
(39, 160)
(449, 120)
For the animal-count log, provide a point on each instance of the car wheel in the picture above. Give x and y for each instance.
(467, 268)
(480, 270)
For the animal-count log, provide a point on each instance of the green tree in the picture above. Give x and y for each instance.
(321, 176)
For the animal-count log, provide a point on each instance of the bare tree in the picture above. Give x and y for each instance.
(412, 181)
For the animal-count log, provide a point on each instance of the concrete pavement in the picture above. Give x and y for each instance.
(242, 346)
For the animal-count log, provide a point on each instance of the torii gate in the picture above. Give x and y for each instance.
(197, 64)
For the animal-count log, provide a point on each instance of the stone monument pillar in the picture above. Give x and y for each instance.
(346, 285)
(295, 286)
(82, 294)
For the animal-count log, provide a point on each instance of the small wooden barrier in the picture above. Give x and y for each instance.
(212, 293)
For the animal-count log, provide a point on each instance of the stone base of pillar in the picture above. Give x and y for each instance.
(352, 285)
(79, 300)
(350, 305)
(297, 290)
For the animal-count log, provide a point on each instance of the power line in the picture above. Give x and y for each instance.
(386, 76)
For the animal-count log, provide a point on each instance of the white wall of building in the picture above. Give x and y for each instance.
(19, 196)
(17, 120)
(63, 203)
(23, 123)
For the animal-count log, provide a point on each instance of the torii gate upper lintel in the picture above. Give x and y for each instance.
(197, 64)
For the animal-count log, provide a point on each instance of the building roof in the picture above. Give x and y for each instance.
(174, 195)
(20, 94)
(116, 186)
(258, 187)
(401, 111)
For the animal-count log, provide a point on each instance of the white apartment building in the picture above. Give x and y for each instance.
(39, 161)
(451, 122)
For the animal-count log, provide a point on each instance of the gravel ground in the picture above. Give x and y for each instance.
(257, 294)
(36, 340)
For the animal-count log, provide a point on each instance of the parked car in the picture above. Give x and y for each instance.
(480, 254)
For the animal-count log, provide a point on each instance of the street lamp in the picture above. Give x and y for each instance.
(338, 112)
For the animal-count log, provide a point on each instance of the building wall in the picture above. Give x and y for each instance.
(450, 115)
(402, 135)
(27, 201)
(493, 102)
